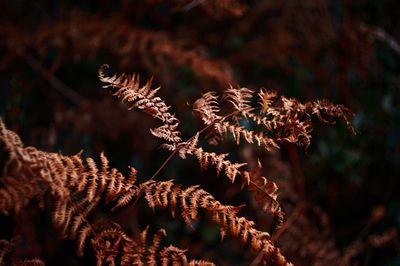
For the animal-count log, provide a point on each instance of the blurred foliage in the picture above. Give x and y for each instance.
(344, 51)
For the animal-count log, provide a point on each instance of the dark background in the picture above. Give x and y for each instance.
(342, 191)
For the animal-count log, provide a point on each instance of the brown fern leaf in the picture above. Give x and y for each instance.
(194, 198)
(218, 160)
(206, 158)
(291, 120)
(177, 256)
(265, 193)
(238, 132)
(207, 107)
(240, 98)
(285, 120)
(327, 111)
(19, 184)
(108, 242)
(84, 233)
(264, 190)
(30, 262)
(128, 88)
(76, 186)
(111, 244)
(84, 185)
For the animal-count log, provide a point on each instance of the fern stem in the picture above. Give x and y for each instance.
(184, 144)
(191, 138)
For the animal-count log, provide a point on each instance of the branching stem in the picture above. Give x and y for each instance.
(184, 144)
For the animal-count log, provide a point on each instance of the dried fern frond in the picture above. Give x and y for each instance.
(327, 111)
(207, 107)
(285, 120)
(165, 194)
(240, 98)
(206, 158)
(76, 186)
(111, 244)
(265, 193)
(291, 120)
(263, 190)
(19, 185)
(128, 88)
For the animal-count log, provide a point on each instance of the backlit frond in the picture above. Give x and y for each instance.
(111, 245)
(194, 198)
(207, 107)
(240, 98)
(128, 88)
(76, 185)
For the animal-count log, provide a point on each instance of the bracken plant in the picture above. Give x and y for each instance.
(73, 187)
